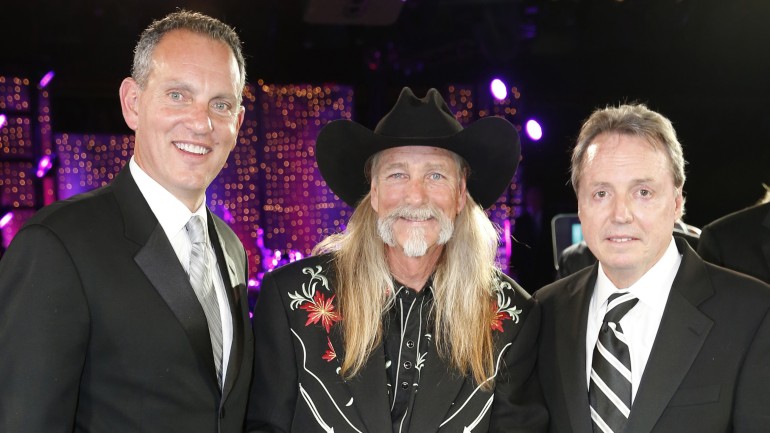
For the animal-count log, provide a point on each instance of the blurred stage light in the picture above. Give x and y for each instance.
(46, 79)
(3, 119)
(534, 131)
(6, 219)
(498, 89)
(44, 165)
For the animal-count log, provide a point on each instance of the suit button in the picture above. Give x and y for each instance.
(410, 344)
(404, 385)
(407, 365)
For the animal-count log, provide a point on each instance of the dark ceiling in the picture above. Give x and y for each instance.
(703, 63)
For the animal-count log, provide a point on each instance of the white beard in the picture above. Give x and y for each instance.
(416, 245)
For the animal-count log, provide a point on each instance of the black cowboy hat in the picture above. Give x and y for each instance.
(490, 146)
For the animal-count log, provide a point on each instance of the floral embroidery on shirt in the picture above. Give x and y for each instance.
(319, 309)
(330, 354)
(503, 310)
(497, 319)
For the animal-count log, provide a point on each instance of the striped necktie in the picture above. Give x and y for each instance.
(200, 278)
(609, 391)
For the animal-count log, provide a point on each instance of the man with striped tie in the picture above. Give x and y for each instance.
(651, 338)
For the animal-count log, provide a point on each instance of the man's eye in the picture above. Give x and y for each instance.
(436, 176)
(600, 194)
(221, 106)
(645, 192)
(175, 96)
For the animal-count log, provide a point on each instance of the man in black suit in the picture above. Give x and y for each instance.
(740, 241)
(402, 323)
(651, 338)
(101, 329)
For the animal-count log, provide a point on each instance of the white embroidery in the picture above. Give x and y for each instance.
(504, 300)
(308, 291)
(307, 397)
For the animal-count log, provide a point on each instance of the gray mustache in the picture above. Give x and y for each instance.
(416, 214)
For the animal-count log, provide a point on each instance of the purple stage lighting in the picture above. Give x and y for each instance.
(46, 79)
(497, 87)
(6, 219)
(534, 131)
(43, 166)
(3, 119)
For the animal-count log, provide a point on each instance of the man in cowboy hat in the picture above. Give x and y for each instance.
(402, 323)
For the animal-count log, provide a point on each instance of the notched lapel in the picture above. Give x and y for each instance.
(682, 332)
(160, 264)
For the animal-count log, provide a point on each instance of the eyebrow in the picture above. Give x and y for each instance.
(404, 165)
(632, 182)
(181, 85)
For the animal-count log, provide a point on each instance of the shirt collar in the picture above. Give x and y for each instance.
(427, 289)
(171, 213)
(652, 288)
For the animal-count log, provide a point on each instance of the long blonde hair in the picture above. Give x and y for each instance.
(462, 290)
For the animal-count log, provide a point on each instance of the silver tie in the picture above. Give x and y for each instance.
(200, 278)
(609, 391)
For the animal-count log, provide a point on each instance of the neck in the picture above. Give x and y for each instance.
(412, 271)
(622, 280)
(192, 203)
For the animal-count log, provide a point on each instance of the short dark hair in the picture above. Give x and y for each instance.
(185, 20)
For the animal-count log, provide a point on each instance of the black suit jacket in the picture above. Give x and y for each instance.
(740, 241)
(100, 330)
(297, 387)
(708, 370)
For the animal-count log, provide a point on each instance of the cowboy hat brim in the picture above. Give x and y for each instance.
(490, 146)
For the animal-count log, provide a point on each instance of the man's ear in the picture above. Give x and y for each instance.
(129, 99)
(463, 196)
(679, 203)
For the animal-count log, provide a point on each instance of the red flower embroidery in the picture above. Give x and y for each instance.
(321, 309)
(497, 319)
(330, 353)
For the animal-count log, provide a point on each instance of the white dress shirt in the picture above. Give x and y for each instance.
(640, 324)
(173, 215)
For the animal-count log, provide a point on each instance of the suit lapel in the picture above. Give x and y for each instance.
(157, 259)
(161, 266)
(435, 397)
(232, 288)
(683, 329)
(572, 317)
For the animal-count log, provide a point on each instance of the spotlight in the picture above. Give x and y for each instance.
(6, 219)
(46, 79)
(498, 89)
(3, 120)
(534, 131)
(44, 165)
